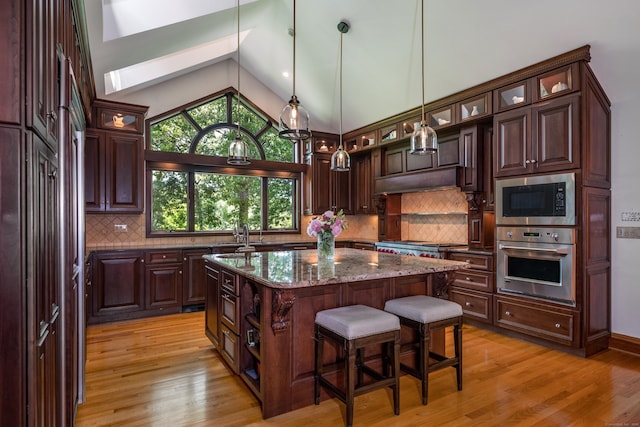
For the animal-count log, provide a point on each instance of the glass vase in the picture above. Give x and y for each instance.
(326, 246)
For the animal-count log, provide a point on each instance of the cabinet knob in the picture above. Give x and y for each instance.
(507, 313)
(534, 161)
(164, 257)
(468, 279)
(141, 260)
(527, 161)
(467, 304)
(180, 272)
(52, 115)
(558, 325)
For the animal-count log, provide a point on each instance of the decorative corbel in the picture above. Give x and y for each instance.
(281, 304)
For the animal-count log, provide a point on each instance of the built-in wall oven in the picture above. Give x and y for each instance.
(536, 200)
(538, 262)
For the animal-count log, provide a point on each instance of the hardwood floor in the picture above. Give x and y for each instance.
(163, 371)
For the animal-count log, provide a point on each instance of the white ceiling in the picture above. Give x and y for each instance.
(467, 42)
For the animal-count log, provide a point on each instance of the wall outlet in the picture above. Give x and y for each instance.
(120, 228)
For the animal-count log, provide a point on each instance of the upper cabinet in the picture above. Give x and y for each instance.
(114, 162)
(556, 83)
(512, 96)
(474, 108)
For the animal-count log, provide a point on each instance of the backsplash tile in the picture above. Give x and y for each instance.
(423, 216)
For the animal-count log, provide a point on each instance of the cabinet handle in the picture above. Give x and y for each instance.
(365, 207)
(507, 313)
(527, 161)
(534, 161)
(52, 115)
(558, 325)
(468, 279)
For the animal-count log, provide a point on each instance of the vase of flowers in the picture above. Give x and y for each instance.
(326, 228)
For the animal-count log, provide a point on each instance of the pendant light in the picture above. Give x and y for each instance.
(340, 160)
(238, 151)
(294, 119)
(423, 139)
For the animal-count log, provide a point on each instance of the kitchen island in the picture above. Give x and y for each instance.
(261, 307)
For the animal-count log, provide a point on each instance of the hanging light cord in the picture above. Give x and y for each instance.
(238, 35)
(422, 63)
(341, 34)
(294, 47)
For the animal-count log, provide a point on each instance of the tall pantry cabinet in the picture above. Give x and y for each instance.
(44, 91)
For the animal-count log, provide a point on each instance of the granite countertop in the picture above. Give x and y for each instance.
(298, 269)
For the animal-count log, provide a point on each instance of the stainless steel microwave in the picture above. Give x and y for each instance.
(536, 200)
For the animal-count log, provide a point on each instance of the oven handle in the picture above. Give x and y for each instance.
(561, 251)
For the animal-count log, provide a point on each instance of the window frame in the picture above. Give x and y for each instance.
(192, 163)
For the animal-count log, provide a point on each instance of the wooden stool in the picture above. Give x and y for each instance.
(353, 328)
(425, 314)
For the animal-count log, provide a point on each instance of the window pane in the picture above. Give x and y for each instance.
(275, 148)
(221, 201)
(169, 201)
(250, 120)
(173, 134)
(281, 203)
(211, 112)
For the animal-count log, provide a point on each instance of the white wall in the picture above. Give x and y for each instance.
(625, 155)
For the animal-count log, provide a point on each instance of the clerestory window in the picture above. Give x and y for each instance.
(192, 190)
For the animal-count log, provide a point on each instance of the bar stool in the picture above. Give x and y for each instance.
(424, 314)
(353, 328)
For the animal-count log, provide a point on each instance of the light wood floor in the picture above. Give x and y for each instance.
(163, 371)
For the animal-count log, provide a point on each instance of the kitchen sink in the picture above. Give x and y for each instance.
(237, 255)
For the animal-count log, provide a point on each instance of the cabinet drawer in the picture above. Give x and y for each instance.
(548, 322)
(229, 310)
(230, 347)
(475, 305)
(477, 261)
(473, 279)
(157, 257)
(230, 283)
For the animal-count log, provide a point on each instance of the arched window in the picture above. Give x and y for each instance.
(190, 187)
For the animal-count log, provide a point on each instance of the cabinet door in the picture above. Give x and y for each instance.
(194, 276)
(164, 287)
(42, 68)
(94, 171)
(556, 135)
(212, 304)
(471, 155)
(512, 142)
(123, 173)
(362, 184)
(321, 192)
(487, 173)
(117, 285)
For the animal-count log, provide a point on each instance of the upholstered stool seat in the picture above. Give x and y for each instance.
(424, 314)
(353, 328)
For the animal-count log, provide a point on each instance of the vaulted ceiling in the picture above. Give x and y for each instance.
(467, 42)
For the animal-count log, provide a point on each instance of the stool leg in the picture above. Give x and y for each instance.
(457, 332)
(424, 361)
(395, 366)
(318, 365)
(350, 362)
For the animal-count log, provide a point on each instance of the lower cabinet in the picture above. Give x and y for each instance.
(133, 284)
(230, 319)
(117, 287)
(211, 308)
(473, 288)
(549, 322)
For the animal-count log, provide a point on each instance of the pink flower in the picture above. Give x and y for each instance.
(328, 222)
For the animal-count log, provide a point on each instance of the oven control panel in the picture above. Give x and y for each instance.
(536, 234)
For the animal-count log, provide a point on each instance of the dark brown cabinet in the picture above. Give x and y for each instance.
(212, 303)
(541, 138)
(194, 277)
(362, 184)
(331, 190)
(473, 288)
(163, 281)
(117, 287)
(114, 172)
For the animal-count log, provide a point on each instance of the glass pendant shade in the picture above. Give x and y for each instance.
(294, 121)
(238, 153)
(340, 160)
(424, 139)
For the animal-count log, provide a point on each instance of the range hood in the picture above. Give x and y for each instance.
(431, 179)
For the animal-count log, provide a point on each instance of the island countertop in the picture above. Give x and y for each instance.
(300, 268)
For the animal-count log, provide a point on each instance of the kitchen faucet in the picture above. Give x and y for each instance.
(245, 238)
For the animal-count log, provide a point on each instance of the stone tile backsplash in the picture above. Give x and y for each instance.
(420, 221)
(435, 216)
